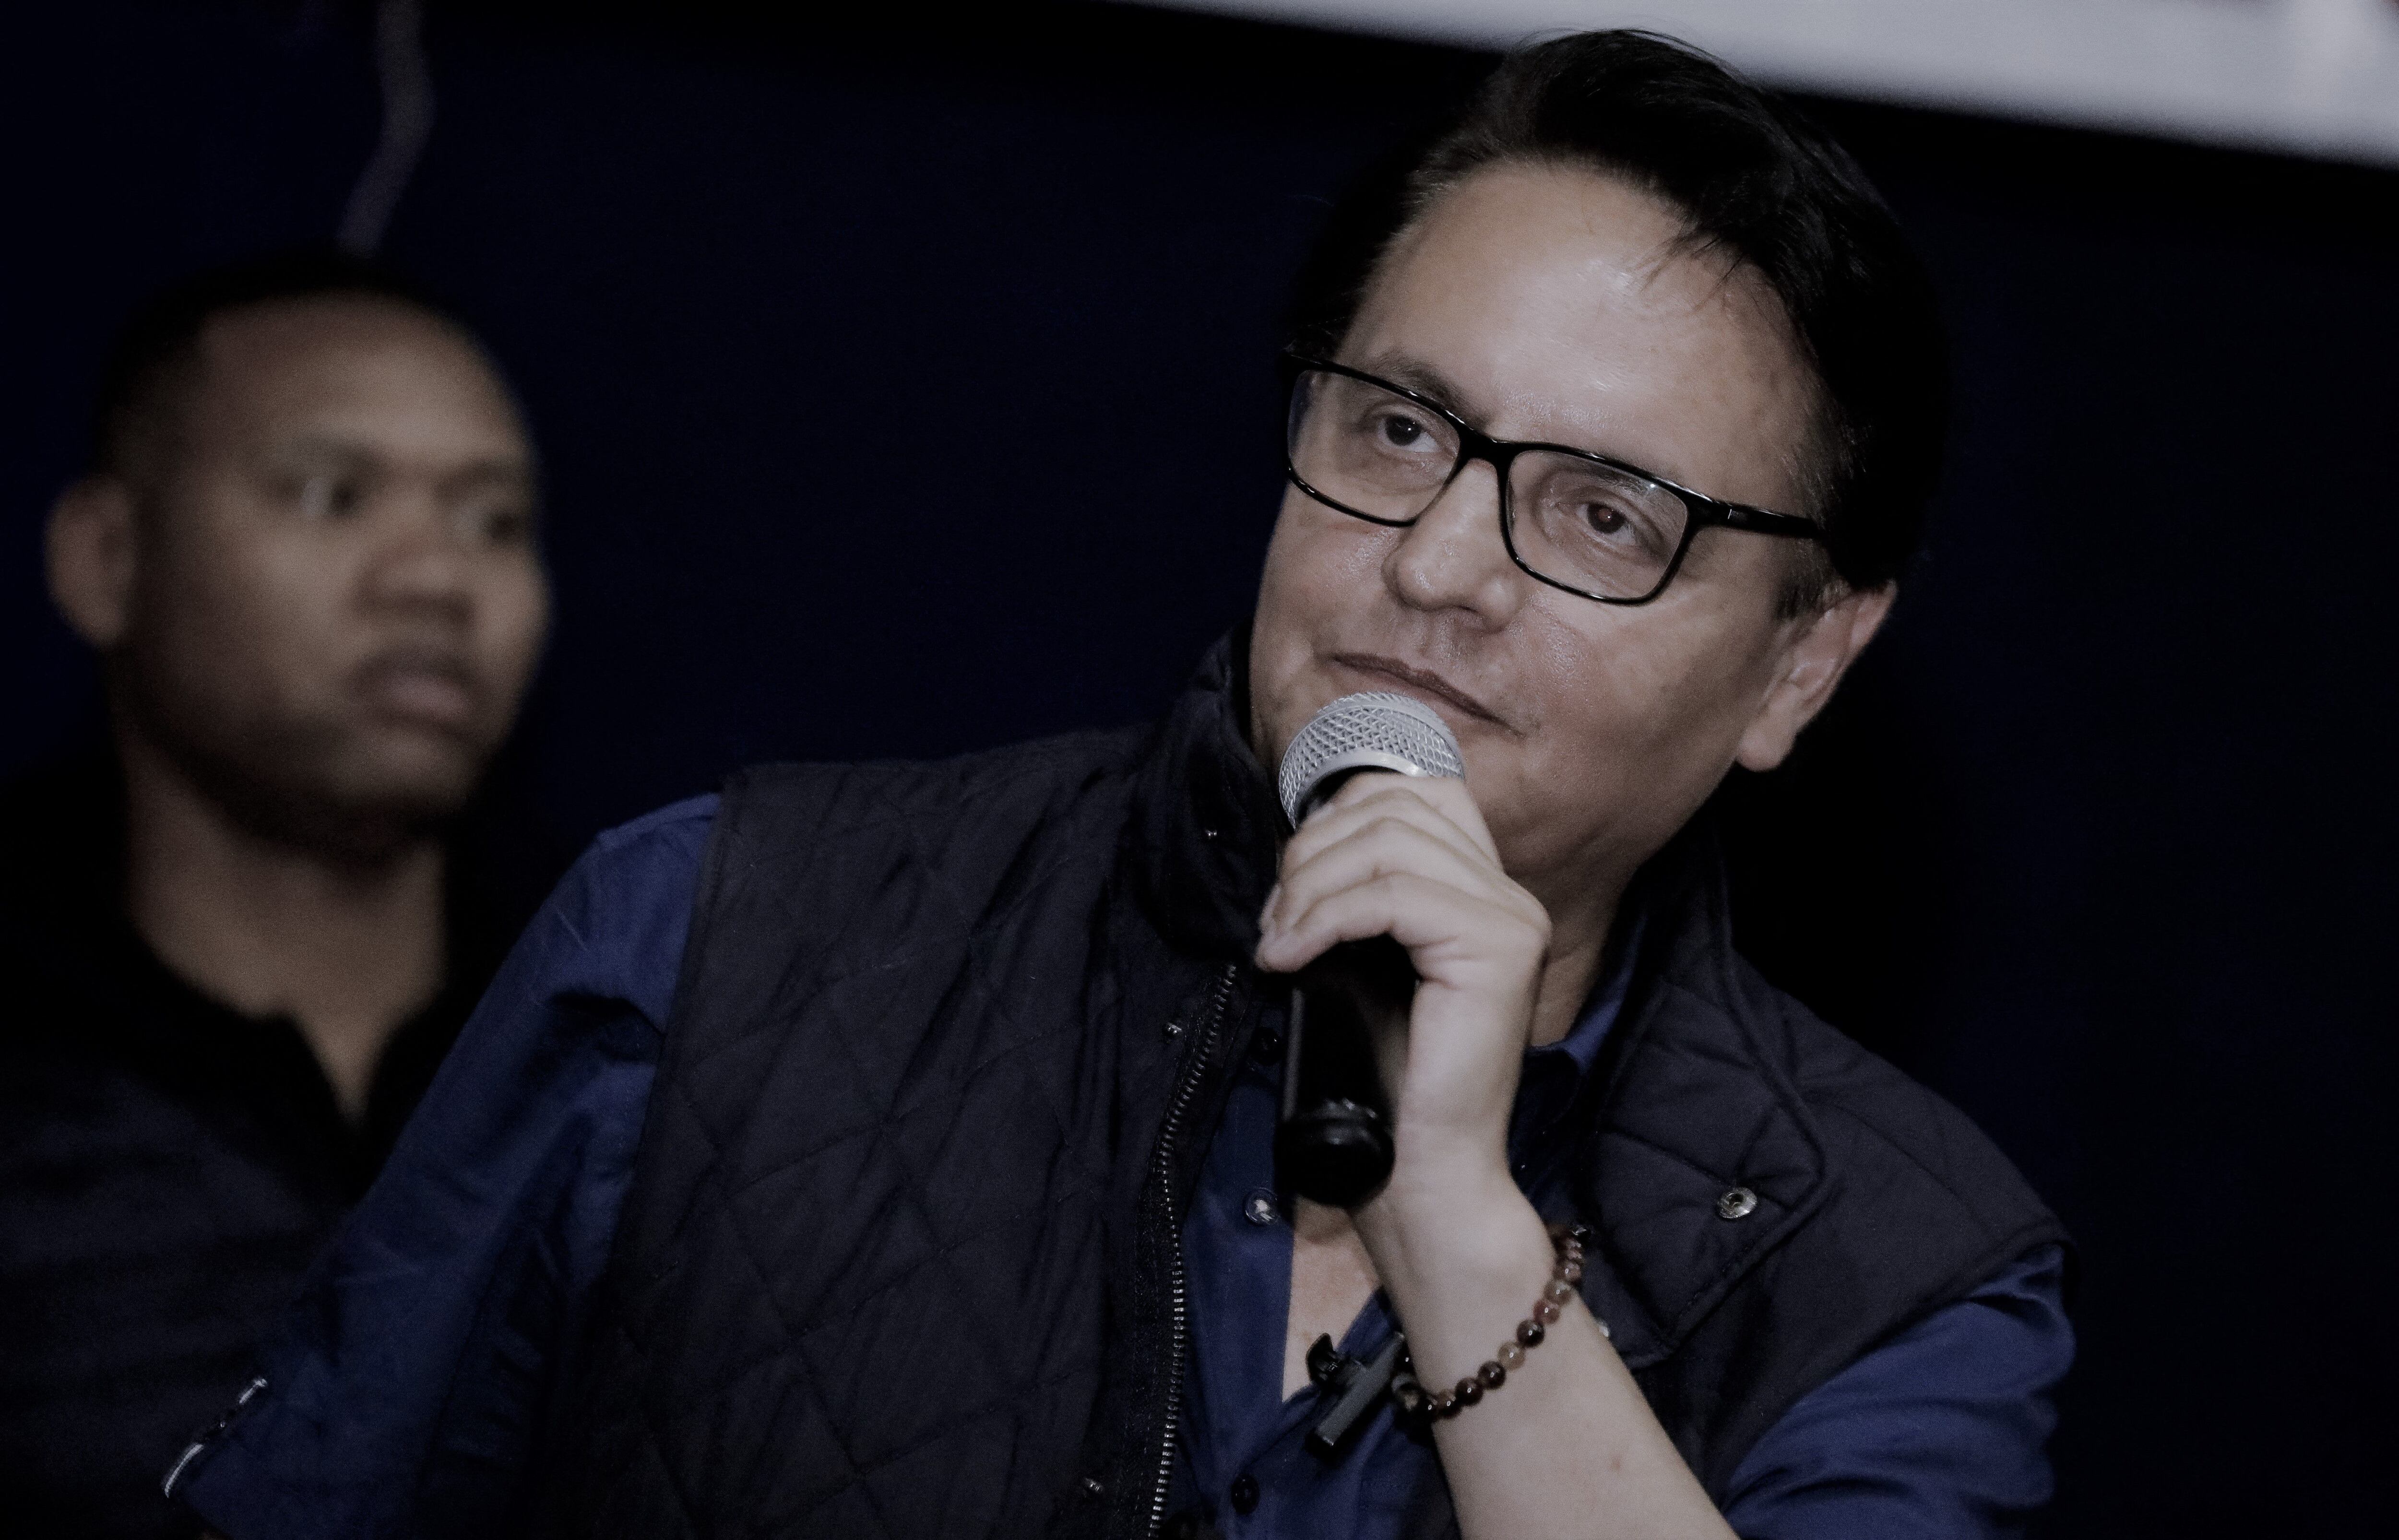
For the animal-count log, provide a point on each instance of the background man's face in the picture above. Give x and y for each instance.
(337, 598)
(1550, 304)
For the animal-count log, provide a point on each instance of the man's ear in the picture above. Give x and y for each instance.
(91, 556)
(1815, 655)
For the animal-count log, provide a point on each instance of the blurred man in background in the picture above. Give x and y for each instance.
(240, 940)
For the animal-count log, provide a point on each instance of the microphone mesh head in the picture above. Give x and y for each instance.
(1374, 731)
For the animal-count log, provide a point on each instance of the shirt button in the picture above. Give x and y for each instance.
(1737, 1203)
(1259, 1208)
(1245, 1493)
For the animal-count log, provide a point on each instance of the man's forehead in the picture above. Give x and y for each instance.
(278, 331)
(359, 370)
(1567, 254)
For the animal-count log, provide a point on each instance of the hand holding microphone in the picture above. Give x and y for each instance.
(1417, 957)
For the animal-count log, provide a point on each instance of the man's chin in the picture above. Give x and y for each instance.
(428, 786)
(403, 757)
(362, 791)
(367, 806)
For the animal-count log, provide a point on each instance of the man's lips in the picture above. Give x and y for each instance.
(1421, 679)
(429, 690)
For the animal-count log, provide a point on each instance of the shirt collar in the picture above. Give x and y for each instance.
(1554, 1075)
(1581, 1046)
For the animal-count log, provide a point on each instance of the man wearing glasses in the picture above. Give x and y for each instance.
(887, 1150)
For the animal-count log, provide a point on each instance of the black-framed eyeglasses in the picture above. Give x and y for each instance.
(1575, 521)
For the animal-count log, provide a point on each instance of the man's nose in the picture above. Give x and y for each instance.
(421, 560)
(1453, 557)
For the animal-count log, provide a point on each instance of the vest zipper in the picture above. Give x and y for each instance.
(1178, 1294)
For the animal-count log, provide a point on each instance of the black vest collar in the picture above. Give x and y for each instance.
(1206, 830)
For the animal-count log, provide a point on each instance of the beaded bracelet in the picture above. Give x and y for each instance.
(1414, 1400)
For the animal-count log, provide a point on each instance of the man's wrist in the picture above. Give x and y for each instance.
(1452, 1227)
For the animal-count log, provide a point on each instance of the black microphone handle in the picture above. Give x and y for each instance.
(1332, 1142)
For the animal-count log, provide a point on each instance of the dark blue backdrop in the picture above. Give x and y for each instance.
(907, 390)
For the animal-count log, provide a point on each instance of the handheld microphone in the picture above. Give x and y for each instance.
(1332, 1142)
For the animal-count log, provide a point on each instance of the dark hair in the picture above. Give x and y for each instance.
(1754, 178)
(148, 363)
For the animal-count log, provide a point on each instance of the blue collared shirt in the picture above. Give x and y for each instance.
(1247, 1468)
(1851, 1459)
(406, 1391)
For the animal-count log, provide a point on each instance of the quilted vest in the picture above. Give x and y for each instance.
(902, 1252)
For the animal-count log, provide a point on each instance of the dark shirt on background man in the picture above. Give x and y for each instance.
(168, 1165)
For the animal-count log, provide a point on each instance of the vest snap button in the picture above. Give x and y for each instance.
(1737, 1203)
(1093, 1487)
(1245, 1493)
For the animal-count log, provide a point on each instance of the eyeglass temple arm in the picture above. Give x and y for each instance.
(1732, 516)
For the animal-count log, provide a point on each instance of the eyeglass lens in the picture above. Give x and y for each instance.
(1575, 521)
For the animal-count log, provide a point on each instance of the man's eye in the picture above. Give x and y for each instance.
(501, 525)
(1402, 432)
(329, 496)
(1602, 519)
(1622, 526)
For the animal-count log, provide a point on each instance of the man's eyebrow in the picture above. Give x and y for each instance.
(516, 472)
(320, 446)
(1422, 378)
(1434, 386)
(351, 454)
